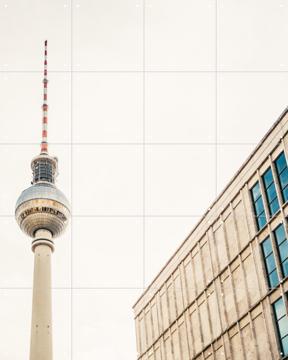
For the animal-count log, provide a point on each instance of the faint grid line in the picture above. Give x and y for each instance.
(71, 174)
(76, 288)
(73, 144)
(122, 216)
(147, 71)
(216, 98)
(144, 139)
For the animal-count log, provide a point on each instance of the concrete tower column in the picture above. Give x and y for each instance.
(41, 327)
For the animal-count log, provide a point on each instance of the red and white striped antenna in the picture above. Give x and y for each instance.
(44, 144)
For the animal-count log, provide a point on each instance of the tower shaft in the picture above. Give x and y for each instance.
(41, 326)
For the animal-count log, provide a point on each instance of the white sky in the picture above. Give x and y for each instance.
(111, 179)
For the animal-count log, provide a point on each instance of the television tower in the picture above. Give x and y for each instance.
(42, 212)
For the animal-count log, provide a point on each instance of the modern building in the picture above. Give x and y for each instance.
(223, 293)
(42, 212)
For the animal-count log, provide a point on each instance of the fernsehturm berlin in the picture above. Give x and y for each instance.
(42, 212)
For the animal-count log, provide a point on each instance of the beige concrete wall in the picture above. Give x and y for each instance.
(211, 300)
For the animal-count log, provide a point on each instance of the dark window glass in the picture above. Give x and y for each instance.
(273, 279)
(256, 191)
(284, 178)
(258, 206)
(274, 206)
(283, 250)
(267, 247)
(281, 162)
(279, 309)
(280, 234)
(282, 245)
(268, 178)
(285, 193)
(281, 324)
(270, 263)
(285, 267)
(285, 344)
(282, 173)
(261, 221)
(270, 190)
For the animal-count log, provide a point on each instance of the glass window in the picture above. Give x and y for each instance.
(261, 221)
(281, 324)
(273, 279)
(280, 162)
(284, 178)
(267, 247)
(282, 172)
(268, 178)
(280, 234)
(282, 245)
(274, 206)
(279, 309)
(270, 263)
(285, 267)
(258, 206)
(256, 191)
(270, 190)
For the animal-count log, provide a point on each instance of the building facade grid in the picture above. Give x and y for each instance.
(212, 299)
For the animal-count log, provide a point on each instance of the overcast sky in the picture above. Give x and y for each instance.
(141, 155)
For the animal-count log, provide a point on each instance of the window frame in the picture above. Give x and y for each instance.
(258, 216)
(264, 259)
(282, 189)
(266, 190)
(276, 322)
(278, 249)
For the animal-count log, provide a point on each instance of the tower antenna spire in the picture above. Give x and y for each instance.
(44, 144)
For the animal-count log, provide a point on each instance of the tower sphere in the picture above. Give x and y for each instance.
(42, 206)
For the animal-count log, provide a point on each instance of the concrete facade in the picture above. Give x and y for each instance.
(212, 299)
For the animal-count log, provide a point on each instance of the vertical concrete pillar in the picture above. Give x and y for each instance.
(41, 327)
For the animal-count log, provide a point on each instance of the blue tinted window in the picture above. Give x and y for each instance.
(261, 221)
(282, 173)
(258, 206)
(273, 279)
(274, 206)
(281, 324)
(280, 162)
(270, 263)
(285, 345)
(283, 250)
(285, 193)
(256, 191)
(282, 246)
(284, 178)
(270, 190)
(280, 234)
(279, 309)
(267, 247)
(285, 267)
(268, 177)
